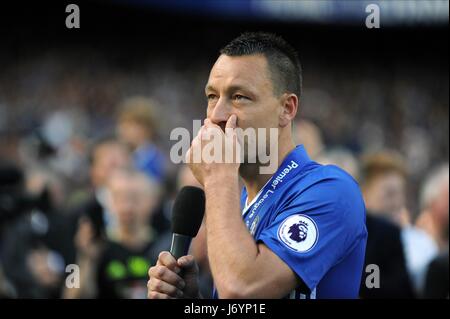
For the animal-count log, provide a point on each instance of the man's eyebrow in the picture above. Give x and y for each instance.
(209, 87)
(238, 87)
(231, 88)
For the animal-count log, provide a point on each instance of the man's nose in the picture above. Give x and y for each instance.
(221, 112)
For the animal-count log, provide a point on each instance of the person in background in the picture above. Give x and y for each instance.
(106, 155)
(117, 267)
(432, 274)
(60, 143)
(137, 127)
(56, 249)
(39, 179)
(434, 200)
(384, 246)
(383, 185)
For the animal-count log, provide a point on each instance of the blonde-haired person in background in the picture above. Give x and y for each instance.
(137, 127)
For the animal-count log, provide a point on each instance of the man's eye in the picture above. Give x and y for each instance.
(239, 97)
(211, 97)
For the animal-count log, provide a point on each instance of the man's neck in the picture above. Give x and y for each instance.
(253, 180)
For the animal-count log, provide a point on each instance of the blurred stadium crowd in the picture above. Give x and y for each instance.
(86, 176)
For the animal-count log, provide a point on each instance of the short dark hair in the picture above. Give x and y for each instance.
(283, 61)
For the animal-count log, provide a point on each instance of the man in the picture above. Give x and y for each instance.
(307, 222)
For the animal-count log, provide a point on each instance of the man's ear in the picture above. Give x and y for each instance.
(289, 104)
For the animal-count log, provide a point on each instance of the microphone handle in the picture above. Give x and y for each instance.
(180, 245)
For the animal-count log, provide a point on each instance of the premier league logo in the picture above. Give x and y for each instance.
(298, 232)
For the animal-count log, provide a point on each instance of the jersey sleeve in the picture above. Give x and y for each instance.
(317, 228)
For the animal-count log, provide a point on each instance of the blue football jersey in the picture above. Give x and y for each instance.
(312, 217)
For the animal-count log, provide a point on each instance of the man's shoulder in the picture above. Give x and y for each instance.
(332, 172)
(317, 177)
(326, 189)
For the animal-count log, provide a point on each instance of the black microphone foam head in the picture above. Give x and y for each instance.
(188, 211)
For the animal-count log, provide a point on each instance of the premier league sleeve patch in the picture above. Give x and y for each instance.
(299, 233)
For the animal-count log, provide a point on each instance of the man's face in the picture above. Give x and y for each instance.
(242, 85)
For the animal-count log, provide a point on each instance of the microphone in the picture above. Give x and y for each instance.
(187, 216)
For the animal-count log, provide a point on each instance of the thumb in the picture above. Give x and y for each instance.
(231, 123)
(186, 262)
(188, 266)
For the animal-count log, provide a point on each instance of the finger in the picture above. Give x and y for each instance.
(232, 121)
(165, 274)
(194, 153)
(166, 259)
(206, 133)
(186, 261)
(164, 288)
(188, 157)
(202, 129)
(209, 124)
(157, 295)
